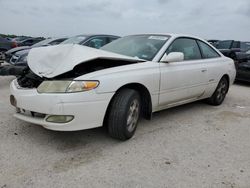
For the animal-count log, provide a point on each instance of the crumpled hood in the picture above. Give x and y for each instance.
(52, 61)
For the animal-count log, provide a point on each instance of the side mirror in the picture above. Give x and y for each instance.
(173, 57)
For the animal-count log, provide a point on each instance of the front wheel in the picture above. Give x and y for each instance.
(124, 113)
(220, 93)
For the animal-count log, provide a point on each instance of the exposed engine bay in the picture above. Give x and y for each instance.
(63, 62)
(28, 79)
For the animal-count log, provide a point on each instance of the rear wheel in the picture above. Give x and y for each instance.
(220, 93)
(124, 113)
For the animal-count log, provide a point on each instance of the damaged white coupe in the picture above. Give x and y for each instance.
(72, 87)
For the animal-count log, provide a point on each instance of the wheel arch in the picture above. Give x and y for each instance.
(144, 93)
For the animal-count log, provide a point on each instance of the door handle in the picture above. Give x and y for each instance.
(204, 70)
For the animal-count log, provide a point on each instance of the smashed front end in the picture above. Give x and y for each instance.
(48, 93)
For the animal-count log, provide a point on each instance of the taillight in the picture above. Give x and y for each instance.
(13, 45)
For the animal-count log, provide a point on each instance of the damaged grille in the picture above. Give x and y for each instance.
(30, 113)
(27, 79)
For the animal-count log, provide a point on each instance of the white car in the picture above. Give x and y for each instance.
(72, 87)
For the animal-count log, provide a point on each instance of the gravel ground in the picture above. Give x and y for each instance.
(194, 145)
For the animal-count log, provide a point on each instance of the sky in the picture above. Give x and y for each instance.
(209, 19)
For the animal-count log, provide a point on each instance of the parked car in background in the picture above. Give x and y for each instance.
(9, 53)
(73, 87)
(243, 71)
(29, 41)
(5, 45)
(19, 56)
(20, 38)
(213, 42)
(94, 41)
(234, 49)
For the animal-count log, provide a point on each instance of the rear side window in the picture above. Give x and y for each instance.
(207, 51)
(187, 46)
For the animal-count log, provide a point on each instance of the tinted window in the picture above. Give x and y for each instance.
(28, 42)
(236, 44)
(207, 51)
(226, 44)
(97, 42)
(187, 46)
(245, 46)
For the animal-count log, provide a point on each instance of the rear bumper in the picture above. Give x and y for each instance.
(88, 108)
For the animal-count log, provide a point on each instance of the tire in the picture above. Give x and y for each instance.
(124, 113)
(220, 93)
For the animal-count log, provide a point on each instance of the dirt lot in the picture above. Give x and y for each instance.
(195, 145)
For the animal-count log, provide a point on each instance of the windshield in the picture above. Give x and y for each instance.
(139, 46)
(226, 44)
(75, 40)
(42, 43)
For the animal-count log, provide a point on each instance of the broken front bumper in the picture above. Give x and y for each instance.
(87, 108)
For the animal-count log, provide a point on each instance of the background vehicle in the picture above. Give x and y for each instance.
(20, 38)
(17, 55)
(29, 41)
(5, 45)
(234, 49)
(94, 41)
(213, 42)
(243, 71)
(135, 75)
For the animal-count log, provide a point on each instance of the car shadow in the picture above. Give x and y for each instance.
(76, 140)
(242, 83)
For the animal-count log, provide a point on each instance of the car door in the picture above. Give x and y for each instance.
(214, 66)
(181, 81)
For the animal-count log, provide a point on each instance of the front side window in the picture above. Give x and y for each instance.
(187, 46)
(207, 51)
